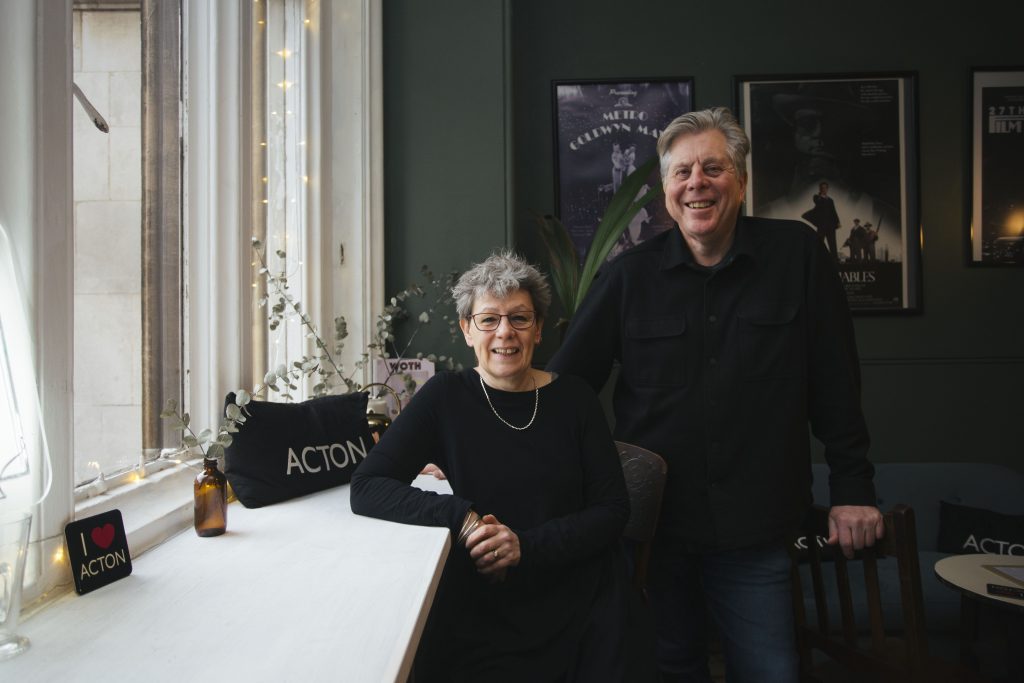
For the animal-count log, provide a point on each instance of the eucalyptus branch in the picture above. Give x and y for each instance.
(280, 283)
(321, 362)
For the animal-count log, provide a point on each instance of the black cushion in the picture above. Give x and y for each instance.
(964, 530)
(286, 450)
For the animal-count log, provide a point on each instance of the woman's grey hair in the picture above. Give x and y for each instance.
(719, 118)
(501, 275)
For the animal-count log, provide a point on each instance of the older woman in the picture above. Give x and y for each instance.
(532, 590)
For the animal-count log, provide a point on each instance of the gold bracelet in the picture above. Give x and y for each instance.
(467, 532)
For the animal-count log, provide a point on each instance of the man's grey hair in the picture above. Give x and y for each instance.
(719, 118)
(502, 274)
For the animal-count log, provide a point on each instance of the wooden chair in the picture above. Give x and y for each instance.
(856, 653)
(645, 480)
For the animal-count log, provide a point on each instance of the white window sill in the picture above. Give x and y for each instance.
(153, 508)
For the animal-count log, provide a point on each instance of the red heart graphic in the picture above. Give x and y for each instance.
(103, 536)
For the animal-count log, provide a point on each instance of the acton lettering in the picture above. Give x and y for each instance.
(97, 566)
(313, 459)
(993, 546)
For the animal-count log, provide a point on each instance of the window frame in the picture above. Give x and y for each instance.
(216, 210)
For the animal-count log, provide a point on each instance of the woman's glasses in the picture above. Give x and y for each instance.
(488, 322)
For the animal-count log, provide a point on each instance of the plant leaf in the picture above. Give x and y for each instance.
(565, 269)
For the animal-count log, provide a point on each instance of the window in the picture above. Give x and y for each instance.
(108, 240)
(219, 184)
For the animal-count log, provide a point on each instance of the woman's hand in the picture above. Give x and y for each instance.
(494, 547)
(434, 471)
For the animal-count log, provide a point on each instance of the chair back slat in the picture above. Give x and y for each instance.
(847, 619)
(874, 595)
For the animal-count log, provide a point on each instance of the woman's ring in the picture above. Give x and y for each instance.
(495, 553)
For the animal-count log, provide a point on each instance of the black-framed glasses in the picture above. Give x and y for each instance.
(488, 322)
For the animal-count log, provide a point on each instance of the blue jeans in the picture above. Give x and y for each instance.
(747, 593)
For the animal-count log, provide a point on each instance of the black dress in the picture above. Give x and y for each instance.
(559, 614)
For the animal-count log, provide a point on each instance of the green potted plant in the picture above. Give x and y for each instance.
(569, 278)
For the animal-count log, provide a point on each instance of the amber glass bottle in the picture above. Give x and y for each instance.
(211, 498)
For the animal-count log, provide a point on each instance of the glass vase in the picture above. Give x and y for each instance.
(14, 529)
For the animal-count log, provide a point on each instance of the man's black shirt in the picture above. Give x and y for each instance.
(722, 370)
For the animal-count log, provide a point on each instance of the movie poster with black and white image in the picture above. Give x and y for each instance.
(997, 176)
(840, 154)
(604, 130)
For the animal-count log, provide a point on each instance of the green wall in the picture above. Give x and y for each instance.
(446, 142)
(947, 384)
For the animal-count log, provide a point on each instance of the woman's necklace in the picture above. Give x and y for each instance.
(536, 402)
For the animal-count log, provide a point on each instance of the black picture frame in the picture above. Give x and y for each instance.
(595, 123)
(858, 134)
(995, 233)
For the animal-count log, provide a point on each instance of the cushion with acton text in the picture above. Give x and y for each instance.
(964, 530)
(286, 450)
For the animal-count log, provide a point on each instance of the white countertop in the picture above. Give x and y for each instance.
(299, 591)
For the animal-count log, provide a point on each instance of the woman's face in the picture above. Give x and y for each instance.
(504, 354)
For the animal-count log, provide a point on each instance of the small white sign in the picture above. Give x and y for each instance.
(404, 375)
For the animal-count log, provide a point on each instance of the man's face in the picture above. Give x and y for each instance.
(823, 189)
(703, 191)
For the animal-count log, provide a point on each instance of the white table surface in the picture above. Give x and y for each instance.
(967, 573)
(299, 591)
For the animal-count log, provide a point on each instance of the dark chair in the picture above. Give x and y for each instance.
(645, 480)
(864, 652)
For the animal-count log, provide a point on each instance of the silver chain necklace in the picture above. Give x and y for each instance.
(536, 403)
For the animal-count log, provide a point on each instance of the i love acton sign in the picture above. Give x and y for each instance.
(98, 550)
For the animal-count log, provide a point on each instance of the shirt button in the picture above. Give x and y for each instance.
(713, 361)
(712, 318)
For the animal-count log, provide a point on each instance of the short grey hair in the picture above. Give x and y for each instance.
(502, 274)
(719, 118)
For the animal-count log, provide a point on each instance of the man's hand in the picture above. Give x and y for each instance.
(854, 527)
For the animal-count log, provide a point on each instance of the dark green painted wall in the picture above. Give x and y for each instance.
(445, 141)
(947, 384)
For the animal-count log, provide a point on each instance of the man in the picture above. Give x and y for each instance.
(870, 237)
(733, 334)
(824, 218)
(855, 241)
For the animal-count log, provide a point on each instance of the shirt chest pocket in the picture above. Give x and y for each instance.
(772, 343)
(654, 353)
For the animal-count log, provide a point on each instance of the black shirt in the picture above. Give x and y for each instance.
(722, 371)
(557, 484)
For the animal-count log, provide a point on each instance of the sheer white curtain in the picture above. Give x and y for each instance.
(35, 210)
(304, 76)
